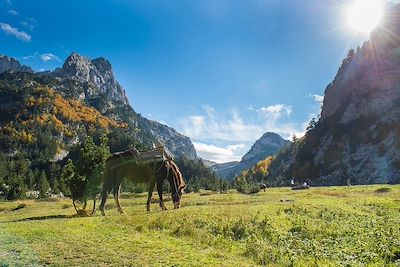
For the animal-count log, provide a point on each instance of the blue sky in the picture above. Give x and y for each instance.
(222, 72)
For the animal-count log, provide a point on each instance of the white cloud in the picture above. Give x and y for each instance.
(232, 127)
(13, 12)
(318, 98)
(219, 154)
(48, 57)
(23, 36)
(276, 111)
(30, 56)
(234, 132)
(29, 23)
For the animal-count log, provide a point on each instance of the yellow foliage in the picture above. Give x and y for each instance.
(262, 166)
(30, 102)
(59, 125)
(74, 110)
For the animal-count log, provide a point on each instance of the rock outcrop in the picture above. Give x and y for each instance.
(13, 65)
(95, 76)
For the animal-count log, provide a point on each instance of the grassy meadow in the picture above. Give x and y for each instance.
(327, 226)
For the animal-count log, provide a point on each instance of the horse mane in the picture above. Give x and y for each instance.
(177, 175)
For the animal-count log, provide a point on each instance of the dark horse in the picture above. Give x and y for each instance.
(151, 167)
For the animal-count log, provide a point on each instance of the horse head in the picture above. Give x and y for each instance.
(177, 183)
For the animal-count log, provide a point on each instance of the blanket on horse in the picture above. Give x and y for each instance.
(154, 155)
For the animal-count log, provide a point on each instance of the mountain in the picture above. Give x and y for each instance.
(356, 139)
(95, 76)
(12, 65)
(268, 145)
(208, 163)
(81, 98)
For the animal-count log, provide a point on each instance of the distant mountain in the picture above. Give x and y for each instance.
(208, 163)
(225, 170)
(12, 65)
(81, 98)
(356, 139)
(268, 145)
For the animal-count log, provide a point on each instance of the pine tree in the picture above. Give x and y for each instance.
(43, 185)
(17, 187)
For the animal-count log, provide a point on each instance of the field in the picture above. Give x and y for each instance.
(330, 226)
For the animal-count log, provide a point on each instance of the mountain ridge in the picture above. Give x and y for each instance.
(267, 145)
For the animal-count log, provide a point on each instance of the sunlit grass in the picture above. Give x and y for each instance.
(355, 226)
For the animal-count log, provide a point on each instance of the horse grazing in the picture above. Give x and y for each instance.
(152, 167)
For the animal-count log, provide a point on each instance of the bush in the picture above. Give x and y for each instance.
(245, 188)
(382, 190)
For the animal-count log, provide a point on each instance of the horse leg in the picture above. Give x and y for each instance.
(117, 191)
(105, 190)
(103, 201)
(151, 188)
(94, 206)
(160, 192)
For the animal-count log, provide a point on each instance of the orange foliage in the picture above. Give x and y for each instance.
(74, 110)
(262, 166)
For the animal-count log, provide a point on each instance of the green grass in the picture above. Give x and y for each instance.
(335, 226)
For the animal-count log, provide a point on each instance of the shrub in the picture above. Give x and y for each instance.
(382, 190)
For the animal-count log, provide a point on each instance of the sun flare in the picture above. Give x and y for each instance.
(363, 16)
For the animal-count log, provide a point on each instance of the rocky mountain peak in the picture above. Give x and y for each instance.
(13, 65)
(102, 64)
(96, 76)
(268, 144)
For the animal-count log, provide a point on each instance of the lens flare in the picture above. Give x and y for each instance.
(363, 16)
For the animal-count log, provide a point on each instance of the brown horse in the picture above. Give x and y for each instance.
(151, 167)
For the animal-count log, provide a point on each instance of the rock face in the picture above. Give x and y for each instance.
(357, 138)
(268, 145)
(177, 143)
(13, 65)
(95, 75)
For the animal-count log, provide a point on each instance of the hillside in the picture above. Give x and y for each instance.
(356, 138)
(79, 86)
(267, 145)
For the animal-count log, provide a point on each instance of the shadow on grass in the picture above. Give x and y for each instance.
(47, 217)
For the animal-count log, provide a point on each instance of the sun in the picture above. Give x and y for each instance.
(363, 16)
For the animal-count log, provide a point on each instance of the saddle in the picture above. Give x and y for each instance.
(153, 155)
(158, 153)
